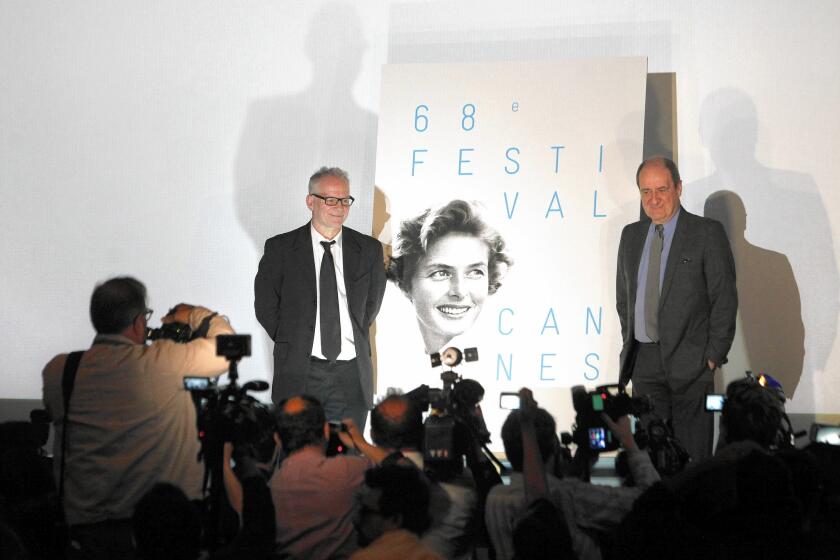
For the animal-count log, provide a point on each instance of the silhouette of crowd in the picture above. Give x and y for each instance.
(758, 496)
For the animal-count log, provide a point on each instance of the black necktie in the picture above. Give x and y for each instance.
(328, 290)
(652, 284)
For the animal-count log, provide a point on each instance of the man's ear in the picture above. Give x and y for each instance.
(137, 329)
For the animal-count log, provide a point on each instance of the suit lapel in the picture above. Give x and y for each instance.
(303, 259)
(674, 254)
(351, 258)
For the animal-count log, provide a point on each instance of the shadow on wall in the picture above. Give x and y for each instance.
(787, 214)
(768, 297)
(287, 138)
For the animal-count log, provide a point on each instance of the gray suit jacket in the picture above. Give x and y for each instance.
(285, 301)
(698, 300)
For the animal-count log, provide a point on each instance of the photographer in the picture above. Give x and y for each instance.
(396, 425)
(129, 423)
(314, 495)
(590, 510)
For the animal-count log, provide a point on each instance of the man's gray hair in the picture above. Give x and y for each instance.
(336, 172)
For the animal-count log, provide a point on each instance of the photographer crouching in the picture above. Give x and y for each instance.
(123, 420)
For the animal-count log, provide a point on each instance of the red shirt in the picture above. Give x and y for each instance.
(314, 503)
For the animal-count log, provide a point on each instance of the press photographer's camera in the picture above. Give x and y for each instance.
(228, 413)
(454, 429)
(590, 430)
(178, 332)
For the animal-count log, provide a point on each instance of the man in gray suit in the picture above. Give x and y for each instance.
(316, 293)
(676, 299)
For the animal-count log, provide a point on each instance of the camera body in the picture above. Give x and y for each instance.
(177, 332)
(454, 424)
(590, 429)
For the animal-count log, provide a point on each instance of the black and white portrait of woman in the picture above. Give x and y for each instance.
(447, 261)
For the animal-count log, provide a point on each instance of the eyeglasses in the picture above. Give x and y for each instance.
(148, 314)
(333, 201)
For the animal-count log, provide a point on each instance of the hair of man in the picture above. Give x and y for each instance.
(546, 430)
(396, 422)
(116, 303)
(663, 161)
(405, 493)
(336, 172)
(302, 424)
(751, 412)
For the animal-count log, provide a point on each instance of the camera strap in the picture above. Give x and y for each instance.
(68, 379)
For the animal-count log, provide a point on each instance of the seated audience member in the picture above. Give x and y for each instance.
(589, 509)
(756, 494)
(750, 422)
(393, 511)
(313, 494)
(246, 485)
(11, 545)
(27, 490)
(826, 514)
(541, 531)
(130, 423)
(166, 525)
(396, 424)
(655, 528)
(751, 412)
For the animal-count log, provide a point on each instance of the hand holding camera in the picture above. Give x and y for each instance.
(178, 314)
(621, 429)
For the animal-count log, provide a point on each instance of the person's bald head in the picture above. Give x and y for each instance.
(300, 423)
(397, 423)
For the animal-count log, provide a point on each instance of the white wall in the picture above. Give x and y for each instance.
(168, 139)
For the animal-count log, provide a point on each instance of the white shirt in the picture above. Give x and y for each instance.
(348, 346)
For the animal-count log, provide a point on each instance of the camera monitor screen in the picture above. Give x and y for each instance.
(509, 401)
(598, 438)
(714, 403)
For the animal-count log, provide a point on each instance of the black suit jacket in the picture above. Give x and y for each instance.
(698, 300)
(285, 300)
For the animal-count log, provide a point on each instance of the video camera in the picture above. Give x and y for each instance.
(228, 413)
(592, 435)
(455, 428)
(590, 430)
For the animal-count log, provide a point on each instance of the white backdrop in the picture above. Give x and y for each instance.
(168, 139)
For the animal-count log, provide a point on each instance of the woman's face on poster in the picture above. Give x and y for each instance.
(450, 285)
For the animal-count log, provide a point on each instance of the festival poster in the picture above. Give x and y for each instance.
(505, 188)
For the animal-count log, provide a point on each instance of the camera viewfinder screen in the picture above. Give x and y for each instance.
(597, 438)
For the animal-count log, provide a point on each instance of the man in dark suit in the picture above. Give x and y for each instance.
(676, 299)
(316, 293)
